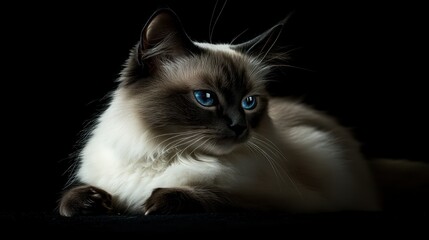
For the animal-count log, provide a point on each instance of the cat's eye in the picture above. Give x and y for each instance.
(249, 103)
(206, 98)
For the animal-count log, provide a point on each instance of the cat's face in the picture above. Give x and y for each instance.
(208, 102)
(195, 97)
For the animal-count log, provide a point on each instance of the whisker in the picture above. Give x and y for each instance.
(273, 149)
(217, 18)
(206, 147)
(169, 134)
(272, 45)
(204, 143)
(179, 142)
(283, 22)
(211, 20)
(235, 38)
(270, 145)
(175, 135)
(291, 66)
(189, 143)
(270, 160)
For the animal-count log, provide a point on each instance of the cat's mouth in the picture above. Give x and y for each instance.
(234, 136)
(242, 137)
(226, 143)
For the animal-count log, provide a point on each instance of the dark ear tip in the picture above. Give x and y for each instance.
(163, 18)
(162, 35)
(162, 11)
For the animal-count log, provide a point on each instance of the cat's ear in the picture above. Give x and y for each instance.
(163, 37)
(263, 43)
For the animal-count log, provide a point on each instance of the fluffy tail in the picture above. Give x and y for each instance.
(403, 184)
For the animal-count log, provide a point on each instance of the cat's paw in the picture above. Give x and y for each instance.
(173, 201)
(85, 200)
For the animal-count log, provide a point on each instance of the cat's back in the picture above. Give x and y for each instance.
(297, 125)
(302, 122)
(289, 113)
(320, 152)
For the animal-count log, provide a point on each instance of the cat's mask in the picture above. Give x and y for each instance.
(197, 96)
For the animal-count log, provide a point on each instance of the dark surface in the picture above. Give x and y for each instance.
(366, 66)
(339, 224)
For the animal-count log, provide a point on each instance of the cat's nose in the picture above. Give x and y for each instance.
(238, 129)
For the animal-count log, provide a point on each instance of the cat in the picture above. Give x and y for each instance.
(191, 128)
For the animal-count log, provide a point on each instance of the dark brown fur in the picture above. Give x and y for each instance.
(85, 200)
(181, 200)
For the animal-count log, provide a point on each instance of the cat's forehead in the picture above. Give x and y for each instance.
(218, 67)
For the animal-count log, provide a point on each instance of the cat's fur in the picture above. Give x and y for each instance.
(156, 150)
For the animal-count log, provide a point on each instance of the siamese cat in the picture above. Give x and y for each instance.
(191, 128)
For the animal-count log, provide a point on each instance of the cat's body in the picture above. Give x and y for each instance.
(307, 171)
(191, 128)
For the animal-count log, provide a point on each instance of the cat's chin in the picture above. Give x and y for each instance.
(224, 146)
(219, 151)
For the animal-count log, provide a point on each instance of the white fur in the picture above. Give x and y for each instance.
(216, 47)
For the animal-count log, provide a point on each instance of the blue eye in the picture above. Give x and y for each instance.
(249, 103)
(205, 97)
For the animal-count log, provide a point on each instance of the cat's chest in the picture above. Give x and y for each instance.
(109, 171)
(116, 175)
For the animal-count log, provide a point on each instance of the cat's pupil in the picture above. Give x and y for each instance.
(249, 103)
(205, 97)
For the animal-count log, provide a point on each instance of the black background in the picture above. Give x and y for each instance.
(366, 66)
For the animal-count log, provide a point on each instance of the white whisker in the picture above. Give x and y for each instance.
(270, 160)
(267, 142)
(272, 45)
(267, 147)
(291, 66)
(191, 143)
(177, 142)
(202, 144)
(232, 41)
(211, 30)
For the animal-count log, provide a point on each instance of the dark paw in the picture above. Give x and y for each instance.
(173, 201)
(85, 200)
